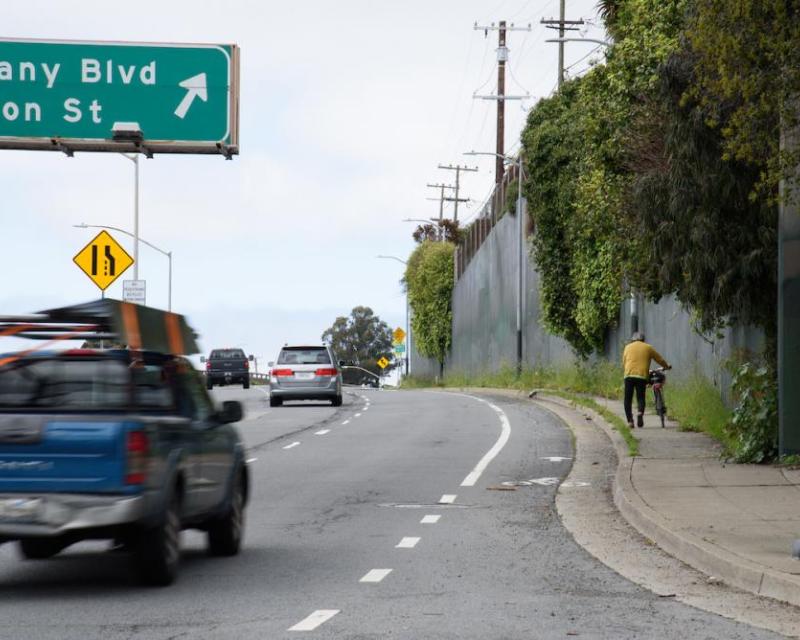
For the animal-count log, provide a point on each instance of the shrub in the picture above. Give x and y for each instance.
(754, 426)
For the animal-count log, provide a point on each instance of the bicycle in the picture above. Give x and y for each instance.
(657, 380)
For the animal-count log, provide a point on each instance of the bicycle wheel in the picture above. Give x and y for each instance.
(660, 409)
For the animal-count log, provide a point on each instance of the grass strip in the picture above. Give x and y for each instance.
(617, 423)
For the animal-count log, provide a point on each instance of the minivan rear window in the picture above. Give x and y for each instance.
(304, 355)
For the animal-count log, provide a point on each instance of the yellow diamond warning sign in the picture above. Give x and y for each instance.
(383, 363)
(399, 335)
(103, 260)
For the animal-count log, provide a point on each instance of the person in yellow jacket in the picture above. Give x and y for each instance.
(636, 359)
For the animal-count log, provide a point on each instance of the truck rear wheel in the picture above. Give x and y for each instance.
(246, 383)
(275, 402)
(158, 550)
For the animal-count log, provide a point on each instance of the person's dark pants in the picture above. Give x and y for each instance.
(640, 386)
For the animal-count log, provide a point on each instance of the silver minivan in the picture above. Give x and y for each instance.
(305, 373)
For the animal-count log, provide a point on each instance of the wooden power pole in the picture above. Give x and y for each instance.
(501, 97)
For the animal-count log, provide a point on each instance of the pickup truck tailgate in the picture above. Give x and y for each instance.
(41, 453)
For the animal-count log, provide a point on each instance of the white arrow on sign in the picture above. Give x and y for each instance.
(195, 88)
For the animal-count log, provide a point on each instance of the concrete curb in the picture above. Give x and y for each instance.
(711, 560)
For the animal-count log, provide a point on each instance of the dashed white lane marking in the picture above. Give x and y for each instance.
(250, 460)
(345, 422)
(556, 458)
(292, 446)
(314, 620)
(505, 434)
(358, 415)
(366, 408)
(407, 543)
(430, 520)
(375, 575)
(448, 498)
(322, 432)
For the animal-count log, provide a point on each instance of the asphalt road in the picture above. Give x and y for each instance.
(378, 519)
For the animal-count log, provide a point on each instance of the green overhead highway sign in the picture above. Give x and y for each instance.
(115, 96)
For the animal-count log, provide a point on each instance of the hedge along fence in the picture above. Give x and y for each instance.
(429, 283)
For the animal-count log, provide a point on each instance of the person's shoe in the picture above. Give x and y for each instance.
(640, 420)
(630, 426)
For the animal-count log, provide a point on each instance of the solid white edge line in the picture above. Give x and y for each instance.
(407, 543)
(505, 434)
(430, 519)
(314, 620)
(375, 575)
(291, 446)
(448, 498)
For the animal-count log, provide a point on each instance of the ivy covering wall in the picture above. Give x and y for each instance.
(429, 283)
(656, 171)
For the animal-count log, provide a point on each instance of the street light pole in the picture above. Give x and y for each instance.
(83, 225)
(135, 159)
(520, 245)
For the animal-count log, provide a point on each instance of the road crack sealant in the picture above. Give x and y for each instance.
(337, 415)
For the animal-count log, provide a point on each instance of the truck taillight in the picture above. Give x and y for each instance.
(137, 447)
(282, 372)
(326, 372)
(246, 364)
(208, 366)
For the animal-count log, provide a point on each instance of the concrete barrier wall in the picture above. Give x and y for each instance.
(484, 322)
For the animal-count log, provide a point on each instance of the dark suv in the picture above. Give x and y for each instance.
(227, 366)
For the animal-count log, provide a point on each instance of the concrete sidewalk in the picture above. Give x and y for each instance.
(735, 522)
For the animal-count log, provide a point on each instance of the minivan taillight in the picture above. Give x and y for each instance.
(326, 372)
(282, 372)
(136, 448)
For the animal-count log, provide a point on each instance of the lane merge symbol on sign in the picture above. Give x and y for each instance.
(103, 260)
(69, 95)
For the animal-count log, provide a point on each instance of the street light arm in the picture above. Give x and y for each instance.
(127, 233)
(392, 258)
(509, 159)
(592, 40)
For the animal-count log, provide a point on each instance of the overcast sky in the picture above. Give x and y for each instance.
(347, 107)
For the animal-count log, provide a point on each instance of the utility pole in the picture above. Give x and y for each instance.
(458, 169)
(501, 97)
(442, 199)
(561, 25)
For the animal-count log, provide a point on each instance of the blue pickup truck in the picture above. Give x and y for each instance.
(121, 444)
